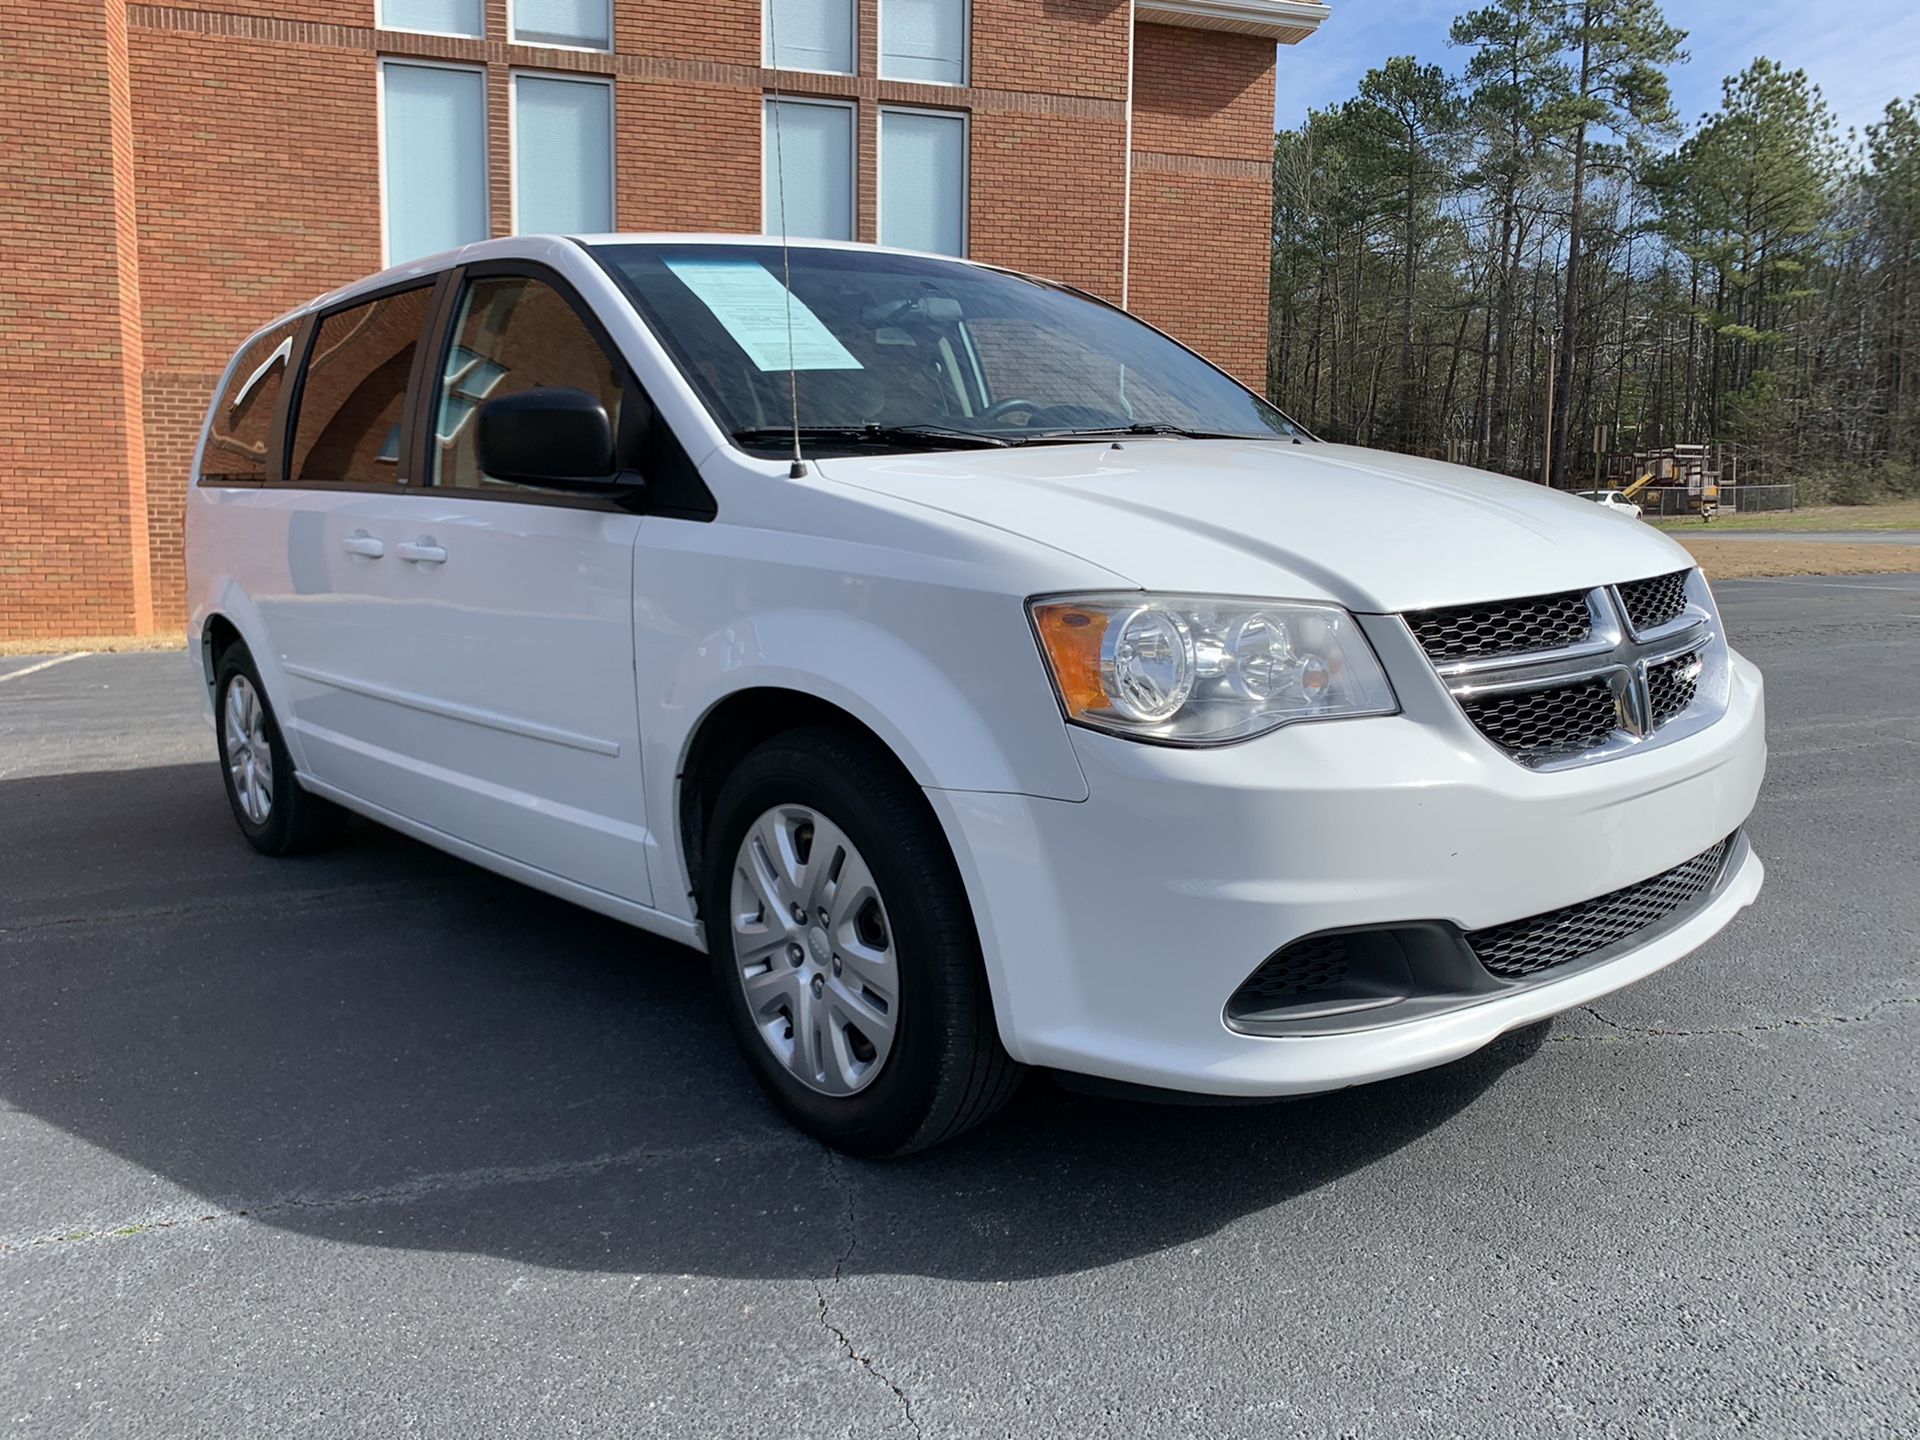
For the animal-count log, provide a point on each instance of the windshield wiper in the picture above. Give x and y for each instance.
(1103, 432)
(915, 436)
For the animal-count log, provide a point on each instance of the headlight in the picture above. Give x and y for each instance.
(1192, 670)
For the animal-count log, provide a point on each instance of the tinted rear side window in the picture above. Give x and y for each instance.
(354, 395)
(242, 423)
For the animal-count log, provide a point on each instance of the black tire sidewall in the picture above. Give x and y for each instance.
(904, 848)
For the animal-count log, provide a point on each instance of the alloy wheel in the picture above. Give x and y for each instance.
(814, 951)
(249, 755)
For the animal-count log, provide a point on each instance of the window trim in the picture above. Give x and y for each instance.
(770, 219)
(280, 474)
(514, 37)
(853, 43)
(966, 172)
(387, 62)
(966, 50)
(565, 77)
(380, 23)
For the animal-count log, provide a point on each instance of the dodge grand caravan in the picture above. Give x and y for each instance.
(980, 678)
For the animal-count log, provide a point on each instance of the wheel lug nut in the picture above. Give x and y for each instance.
(795, 955)
(819, 985)
(800, 914)
(823, 914)
(836, 964)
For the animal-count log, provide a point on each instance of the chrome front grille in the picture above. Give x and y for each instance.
(1672, 685)
(1581, 675)
(1526, 947)
(1511, 627)
(1536, 725)
(1652, 603)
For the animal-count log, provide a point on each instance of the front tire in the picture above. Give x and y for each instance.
(845, 951)
(273, 812)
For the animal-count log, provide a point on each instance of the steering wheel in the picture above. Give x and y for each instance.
(1000, 409)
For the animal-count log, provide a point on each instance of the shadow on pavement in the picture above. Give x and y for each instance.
(385, 1046)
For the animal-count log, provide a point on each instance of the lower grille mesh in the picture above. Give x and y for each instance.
(1526, 947)
(1292, 974)
(1534, 725)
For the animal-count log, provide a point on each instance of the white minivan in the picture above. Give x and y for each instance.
(981, 678)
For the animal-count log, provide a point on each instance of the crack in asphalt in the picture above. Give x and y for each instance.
(837, 1170)
(405, 1192)
(1817, 1022)
(351, 893)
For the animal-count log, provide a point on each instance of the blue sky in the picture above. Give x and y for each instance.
(1861, 54)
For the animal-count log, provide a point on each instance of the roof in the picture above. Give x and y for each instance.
(1286, 21)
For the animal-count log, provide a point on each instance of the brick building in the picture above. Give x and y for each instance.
(179, 173)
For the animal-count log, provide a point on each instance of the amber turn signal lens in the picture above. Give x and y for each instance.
(1071, 636)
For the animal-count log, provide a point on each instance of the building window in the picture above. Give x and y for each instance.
(433, 157)
(808, 35)
(808, 145)
(923, 180)
(924, 40)
(562, 155)
(434, 17)
(578, 24)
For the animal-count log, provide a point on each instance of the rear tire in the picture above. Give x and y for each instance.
(273, 812)
(904, 963)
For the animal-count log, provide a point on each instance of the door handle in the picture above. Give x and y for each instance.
(361, 543)
(421, 552)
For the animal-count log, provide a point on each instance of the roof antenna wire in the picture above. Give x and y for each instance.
(798, 471)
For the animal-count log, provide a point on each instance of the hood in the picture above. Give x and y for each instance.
(1369, 530)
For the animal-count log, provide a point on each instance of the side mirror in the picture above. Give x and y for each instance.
(559, 439)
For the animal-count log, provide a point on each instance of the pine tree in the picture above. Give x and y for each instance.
(1520, 83)
(1403, 132)
(1621, 49)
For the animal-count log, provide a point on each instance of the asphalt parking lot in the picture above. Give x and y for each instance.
(373, 1143)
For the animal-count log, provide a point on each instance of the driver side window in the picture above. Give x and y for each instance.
(513, 334)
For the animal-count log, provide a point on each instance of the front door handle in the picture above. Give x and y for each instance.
(421, 552)
(361, 543)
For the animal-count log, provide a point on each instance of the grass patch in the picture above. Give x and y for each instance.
(1888, 515)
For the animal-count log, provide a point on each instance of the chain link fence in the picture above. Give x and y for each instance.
(1734, 499)
(1759, 497)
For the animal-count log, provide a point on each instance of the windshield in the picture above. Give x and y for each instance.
(906, 352)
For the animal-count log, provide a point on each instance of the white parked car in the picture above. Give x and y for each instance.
(1064, 705)
(1612, 502)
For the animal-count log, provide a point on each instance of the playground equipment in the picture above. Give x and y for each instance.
(1688, 477)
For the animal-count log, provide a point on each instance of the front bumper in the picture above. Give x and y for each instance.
(1115, 929)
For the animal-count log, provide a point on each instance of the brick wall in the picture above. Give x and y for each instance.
(180, 173)
(1203, 192)
(258, 186)
(688, 156)
(73, 522)
(1049, 195)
